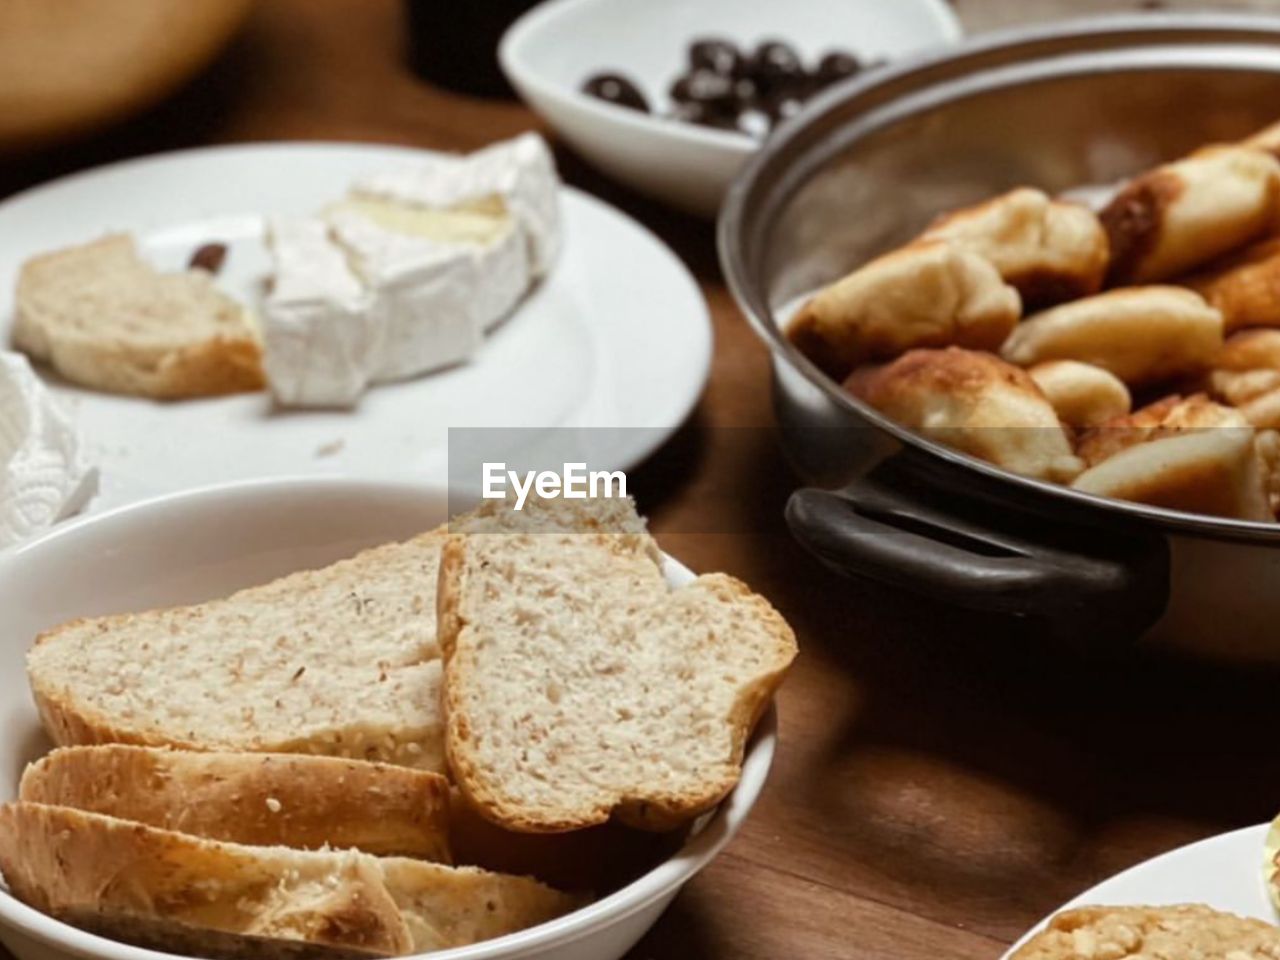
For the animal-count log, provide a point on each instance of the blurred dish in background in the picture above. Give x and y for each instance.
(550, 51)
(75, 65)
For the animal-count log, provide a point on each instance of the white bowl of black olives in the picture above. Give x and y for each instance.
(672, 96)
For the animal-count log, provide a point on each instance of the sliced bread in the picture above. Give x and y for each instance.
(287, 800)
(104, 318)
(341, 661)
(580, 685)
(203, 897)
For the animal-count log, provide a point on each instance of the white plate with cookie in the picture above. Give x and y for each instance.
(1224, 873)
(616, 335)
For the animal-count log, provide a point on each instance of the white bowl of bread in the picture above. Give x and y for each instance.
(306, 768)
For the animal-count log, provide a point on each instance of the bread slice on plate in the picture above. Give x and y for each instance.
(207, 898)
(289, 800)
(104, 318)
(1183, 932)
(579, 685)
(341, 661)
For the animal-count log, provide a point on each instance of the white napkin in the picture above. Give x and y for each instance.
(43, 476)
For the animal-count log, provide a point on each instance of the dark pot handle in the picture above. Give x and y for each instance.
(1089, 586)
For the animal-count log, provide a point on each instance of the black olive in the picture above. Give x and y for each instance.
(774, 65)
(718, 56)
(616, 89)
(714, 90)
(705, 115)
(837, 65)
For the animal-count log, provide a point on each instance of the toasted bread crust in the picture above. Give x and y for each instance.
(1182, 932)
(650, 809)
(121, 359)
(256, 799)
(72, 714)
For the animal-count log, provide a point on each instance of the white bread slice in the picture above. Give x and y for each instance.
(287, 800)
(103, 318)
(207, 898)
(579, 685)
(341, 661)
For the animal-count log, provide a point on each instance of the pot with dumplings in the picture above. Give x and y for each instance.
(1023, 301)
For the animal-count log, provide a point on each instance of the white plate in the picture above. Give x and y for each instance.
(1224, 872)
(617, 336)
(552, 49)
(192, 546)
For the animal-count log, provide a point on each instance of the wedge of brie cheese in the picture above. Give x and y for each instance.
(43, 473)
(407, 273)
(320, 333)
(516, 178)
(421, 296)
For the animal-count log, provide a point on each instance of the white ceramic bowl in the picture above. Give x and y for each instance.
(552, 49)
(193, 546)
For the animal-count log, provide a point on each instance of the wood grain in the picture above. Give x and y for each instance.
(944, 780)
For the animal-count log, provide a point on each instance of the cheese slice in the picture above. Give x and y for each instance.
(320, 331)
(422, 296)
(406, 274)
(495, 243)
(516, 177)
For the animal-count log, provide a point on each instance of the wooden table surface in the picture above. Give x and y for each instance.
(943, 780)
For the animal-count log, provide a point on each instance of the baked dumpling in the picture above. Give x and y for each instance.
(1244, 287)
(1166, 417)
(930, 294)
(1082, 395)
(1245, 369)
(1214, 471)
(1141, 334)
(1050, 250)
(1184, 214)
(975, 402)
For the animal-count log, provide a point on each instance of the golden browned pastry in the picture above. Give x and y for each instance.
(975, 402)
(1184, 214)
(1183, 932)
(1213, 471)
(1082, 395)
(924, 295)
(1245, 287)
(1165, 417)
(1268, 139)
(1051, 250)
(1141, 334)
(1250, 350)
(1246, 368)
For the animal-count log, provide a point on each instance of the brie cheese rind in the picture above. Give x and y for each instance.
(496, 246)
(43, 474)
(406, 274)
(517, 177)
(321, 334)
(421, 297)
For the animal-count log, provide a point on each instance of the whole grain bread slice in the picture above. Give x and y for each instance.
(341, 661)
(104, 318)
(256, 799)
(580, 685)
(185, 894)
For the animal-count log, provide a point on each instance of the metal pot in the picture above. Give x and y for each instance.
(864, 169)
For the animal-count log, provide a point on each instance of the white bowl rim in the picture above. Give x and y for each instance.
(721, 825)
(520, 73)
